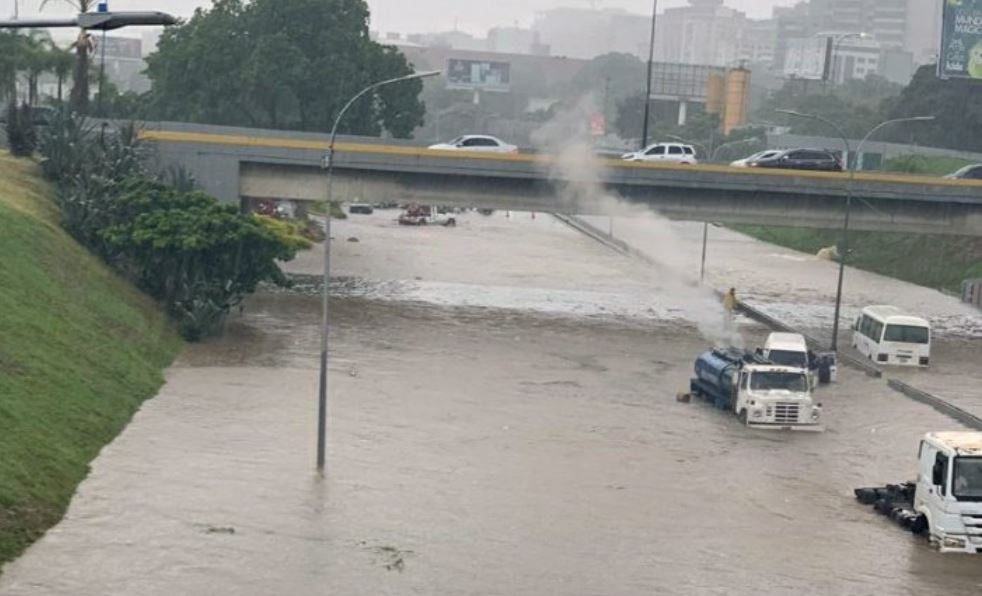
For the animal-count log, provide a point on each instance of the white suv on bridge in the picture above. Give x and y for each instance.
(666, 152)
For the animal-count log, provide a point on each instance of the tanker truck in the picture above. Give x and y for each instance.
(761, 393)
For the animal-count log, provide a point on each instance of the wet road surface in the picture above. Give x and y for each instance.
(478, 449)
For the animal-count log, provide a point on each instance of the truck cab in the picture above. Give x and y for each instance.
(948, 491)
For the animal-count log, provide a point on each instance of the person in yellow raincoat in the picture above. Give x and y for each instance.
(730, 301)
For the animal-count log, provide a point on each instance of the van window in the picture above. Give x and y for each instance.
(864, 325)
(675, 150)
(688, 150)
(658, 150)
(908, 334)
(875, 331)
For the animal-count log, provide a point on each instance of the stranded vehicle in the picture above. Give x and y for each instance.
(790, 349)
(761, 393)
(888, 335)
(945, 502)
(423, 215)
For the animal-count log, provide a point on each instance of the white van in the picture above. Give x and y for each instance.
(791, 349)
(888, 335)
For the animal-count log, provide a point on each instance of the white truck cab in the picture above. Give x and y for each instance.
(949, 490)
(777, 396)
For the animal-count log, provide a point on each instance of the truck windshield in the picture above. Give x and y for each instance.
(967, 479)
(788, 358)
(768, 381)
(908, 334)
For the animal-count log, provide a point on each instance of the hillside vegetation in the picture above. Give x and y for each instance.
(80, 350)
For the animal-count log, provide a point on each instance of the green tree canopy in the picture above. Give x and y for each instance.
(955, 104)
(281, 63)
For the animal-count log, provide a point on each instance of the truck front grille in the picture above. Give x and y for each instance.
(786, 413)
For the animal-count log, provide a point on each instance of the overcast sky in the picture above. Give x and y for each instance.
(407, 16)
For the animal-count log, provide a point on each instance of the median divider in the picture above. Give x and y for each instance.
(918, 395)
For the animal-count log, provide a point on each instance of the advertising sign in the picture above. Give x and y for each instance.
(961, 40)
(476, 74)
(806, 59)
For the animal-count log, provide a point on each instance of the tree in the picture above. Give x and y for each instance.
(11, 61)
(21, 134)
(36, 60)
(610, 78)
(84, 45)
(954, 103)
(61, 63)
(281, 63)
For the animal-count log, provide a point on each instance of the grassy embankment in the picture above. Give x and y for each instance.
(80, 350)
(934, 261)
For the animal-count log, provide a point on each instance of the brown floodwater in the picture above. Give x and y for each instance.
(492, 431)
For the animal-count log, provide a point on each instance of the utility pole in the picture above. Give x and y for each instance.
(647, 91)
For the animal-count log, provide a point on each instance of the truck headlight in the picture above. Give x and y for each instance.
(952, 542)
(757, 413)
(816, 413)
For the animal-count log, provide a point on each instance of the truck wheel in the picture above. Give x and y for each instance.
(742, 416)
(919, 526)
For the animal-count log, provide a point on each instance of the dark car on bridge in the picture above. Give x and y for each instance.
(801, 159)
(972, 172)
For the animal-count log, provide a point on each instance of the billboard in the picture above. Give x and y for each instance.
(675, 82)
(961, 40)
(806, 59)
(478, 74)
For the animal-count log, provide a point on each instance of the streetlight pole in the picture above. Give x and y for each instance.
(849, 192)
(845, 226)
(859, 150)
(688, 142)
(329, 163)
(733, 144)
(651, 60)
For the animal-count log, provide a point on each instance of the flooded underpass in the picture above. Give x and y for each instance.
(503, 421)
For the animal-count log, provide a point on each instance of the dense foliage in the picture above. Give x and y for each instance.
(21, 134)
(198, 257)
(281, 64)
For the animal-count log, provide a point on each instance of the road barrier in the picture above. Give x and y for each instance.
(918, 395)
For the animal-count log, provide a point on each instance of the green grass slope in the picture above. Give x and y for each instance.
(80, 350)
(940, 262)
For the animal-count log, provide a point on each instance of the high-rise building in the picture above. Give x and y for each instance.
(896, 25)
(705, 32)
(588, 33)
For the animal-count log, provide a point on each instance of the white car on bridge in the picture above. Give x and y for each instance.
(481, 143)
(665, 152)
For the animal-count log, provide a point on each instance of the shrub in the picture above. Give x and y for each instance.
(21, 133)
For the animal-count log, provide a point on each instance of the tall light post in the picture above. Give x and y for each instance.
(849, 192)
(838, 39)
(845, 226)
(329, 164)
(688, 142)
(733, 144)
(651, 61)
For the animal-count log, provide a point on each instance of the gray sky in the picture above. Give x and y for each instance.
(408, 16)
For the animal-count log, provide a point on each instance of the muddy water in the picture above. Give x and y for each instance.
(482, 450)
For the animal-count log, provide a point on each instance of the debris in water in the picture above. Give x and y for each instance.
(393, 559)
(354, 239)
(219, 530)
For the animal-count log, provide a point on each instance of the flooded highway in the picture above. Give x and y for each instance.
(503, 421)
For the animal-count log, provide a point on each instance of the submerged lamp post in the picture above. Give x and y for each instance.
(849, 192)
(647, 91)
(329, 165)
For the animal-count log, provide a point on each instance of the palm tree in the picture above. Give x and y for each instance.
(62, 62)
(83, 47)
(36, 60)
(11, 55)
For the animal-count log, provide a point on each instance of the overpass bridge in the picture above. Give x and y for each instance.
(236, 163)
